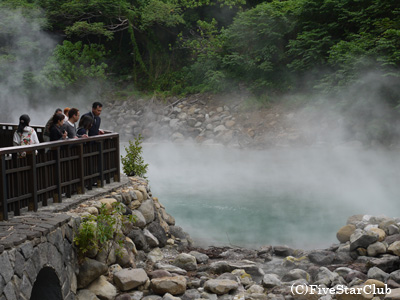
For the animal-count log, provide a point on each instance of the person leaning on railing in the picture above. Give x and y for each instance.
(84, 126)
(25, 135)
(46, 132)
(56, 130)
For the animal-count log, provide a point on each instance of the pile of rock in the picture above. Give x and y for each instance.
(157, 260)
(185, 121)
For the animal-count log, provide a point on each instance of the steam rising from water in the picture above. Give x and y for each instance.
(24, 50)
(298, 197)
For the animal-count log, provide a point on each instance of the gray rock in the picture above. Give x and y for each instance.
(147, 210)
(168, 296)
(387, 263)
(155, 255)
(128, 279)
(55, 238)
(2, 284)
(393, 229)
(191, 295)
(26, 249)
(361, 239)
(19, 264)
(152, 297)
(186, 262)
(136, 295)
(159, 274)
(283, 251)
(296, 274)
(139, 239)
(178, 232)
(168, 218)
(151, 240)
(250, 267)
(376, 248)
(89, 271)
(174, 285)
(378, 274)
(159, 232)
(321, 258)
(343, 271)
(140, 220)
(395, 276)
(220, 267)
(103, 289)
(205, 295)
(107, 254)
(219, 128)
(9, 291)
(220, 286)
(6, 269)
(200, 257)
(326, 277)
(86, 295)
(271, 280)
(392, 238)
(123, 297)
(170, 268)
(125, 258)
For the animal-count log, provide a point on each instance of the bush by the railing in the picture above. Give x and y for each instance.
(133, 163)
(96, 232)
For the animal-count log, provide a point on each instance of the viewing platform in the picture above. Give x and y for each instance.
(52, 171)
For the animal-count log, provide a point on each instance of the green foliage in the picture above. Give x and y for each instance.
(82, 29)
(160, 12)
(96, 232)
(181, 46)
(73, 64)
(133, 163)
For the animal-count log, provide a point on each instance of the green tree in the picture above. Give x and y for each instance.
(73, 64)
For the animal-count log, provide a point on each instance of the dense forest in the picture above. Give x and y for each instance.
(177, 47)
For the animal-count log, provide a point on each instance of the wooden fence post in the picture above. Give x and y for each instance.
(33, 202)
(57, 195)
(3, 188)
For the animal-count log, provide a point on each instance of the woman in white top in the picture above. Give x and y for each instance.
(25, 135)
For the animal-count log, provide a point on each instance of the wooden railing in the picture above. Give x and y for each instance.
(52, 170)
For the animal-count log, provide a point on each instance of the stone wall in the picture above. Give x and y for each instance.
(43, 247)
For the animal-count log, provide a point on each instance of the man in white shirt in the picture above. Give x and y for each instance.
(70, 125)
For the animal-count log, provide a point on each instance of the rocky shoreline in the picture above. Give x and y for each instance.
(159, 260)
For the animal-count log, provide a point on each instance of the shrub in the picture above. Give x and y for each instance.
(133, 163)
(96, 232)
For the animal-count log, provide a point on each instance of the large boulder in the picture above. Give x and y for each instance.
(147, 210)
(186, 262)
(376, 249)
(362, 239)
(139, 239)
(128, 279)
(103, 289)
(159, 232)
(174, 285)
(344, 233)
(220, 286)
(395, 248)
(90, 270)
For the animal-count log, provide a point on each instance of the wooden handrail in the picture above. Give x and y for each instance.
(53, 170)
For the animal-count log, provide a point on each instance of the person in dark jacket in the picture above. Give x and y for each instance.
(95, 114)
(56, 130)
(85, 124)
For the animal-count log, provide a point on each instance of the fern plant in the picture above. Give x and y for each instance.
(133, 163)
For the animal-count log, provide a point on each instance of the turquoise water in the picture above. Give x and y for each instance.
(296, 197)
